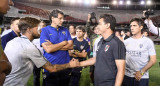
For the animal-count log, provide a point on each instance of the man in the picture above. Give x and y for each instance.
(11, 35)
(72, 31)
(56, 41)
(80, 50)
(23, 54)
(140, 56)
(36, 71)
(152, 28)
(5, 66)
(110, 58)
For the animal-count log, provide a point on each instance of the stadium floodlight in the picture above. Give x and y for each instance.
(93, 1)
(79, 1)
(87, 1)
(149, 2)
(121, 2)
(114, 2)
(142, 2)
(72, 1)
(65, 0)
(128, 2)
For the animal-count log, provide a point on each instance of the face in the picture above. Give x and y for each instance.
(96, 31)
(145, 33)
(35, 33)
(102, 26)
(40, 26)
(4, 6)
(59, 20)
(135, 28)
(117, 33)
(72, 29)
(128, 34)
(122, 33)
(79, 33)
(14, 26)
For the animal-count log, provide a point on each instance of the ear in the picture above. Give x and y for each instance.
(107, 25)
(141, 27)
(11, 26)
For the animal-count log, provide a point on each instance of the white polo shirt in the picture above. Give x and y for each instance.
(23, 55)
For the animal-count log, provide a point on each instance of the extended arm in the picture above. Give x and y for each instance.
(58, 67)
(88, 62)
(152, 28)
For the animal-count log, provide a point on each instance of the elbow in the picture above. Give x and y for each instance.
(47, 50)
(6, 68)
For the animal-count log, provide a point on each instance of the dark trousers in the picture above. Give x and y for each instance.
(131, 81)
(36, 75)
(75, 76)
(60, 78)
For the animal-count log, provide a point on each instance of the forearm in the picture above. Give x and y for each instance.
(152, 28)
(119, 77)
(149, 65)
(52, 47)
(3, 76)
(88, 62)
(67, 47)
(55, 67)
(120, 72)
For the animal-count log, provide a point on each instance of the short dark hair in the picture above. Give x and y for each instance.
(14, 19)
(80, 27)
(27, 22)
(72, 25)
(109, 19)
(55, 13)
(138, 20)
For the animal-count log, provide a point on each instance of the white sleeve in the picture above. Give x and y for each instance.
(151, 48)
(35, 55)
(151, 27)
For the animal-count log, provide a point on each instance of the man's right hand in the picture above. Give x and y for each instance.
(74, 63)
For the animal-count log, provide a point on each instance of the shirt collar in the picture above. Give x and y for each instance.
(109, 38)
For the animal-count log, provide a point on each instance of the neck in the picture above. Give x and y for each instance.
(137, 36)
(80, 38)
(18, 34)
(29, 36)
(55, 26)
(106, 34)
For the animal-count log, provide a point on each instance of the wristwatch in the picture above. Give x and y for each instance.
(142, 73)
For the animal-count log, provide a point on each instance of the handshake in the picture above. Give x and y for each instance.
(74, 63)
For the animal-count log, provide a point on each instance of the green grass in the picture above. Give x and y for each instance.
(85, 78)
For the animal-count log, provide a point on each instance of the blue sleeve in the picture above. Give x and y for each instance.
(3, 41)
(68, 35)
(44, 36)
(87, 47)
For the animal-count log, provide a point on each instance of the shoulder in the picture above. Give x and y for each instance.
(147, 40)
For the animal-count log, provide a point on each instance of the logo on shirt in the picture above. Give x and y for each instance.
(64, 32)
(81, 46)
(106, 48)
(50, 34)
(141, 45)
